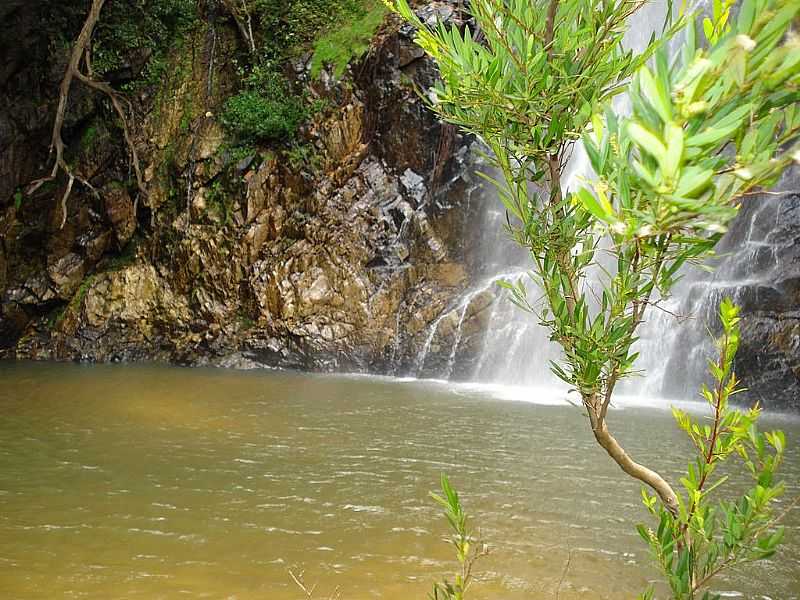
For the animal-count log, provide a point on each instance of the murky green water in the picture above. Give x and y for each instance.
(146, 482)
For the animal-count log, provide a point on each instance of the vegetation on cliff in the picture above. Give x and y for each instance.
(270, 107)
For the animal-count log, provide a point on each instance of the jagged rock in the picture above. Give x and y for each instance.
(66, 274)
(207, 139)
(120, 212)
(364, 255)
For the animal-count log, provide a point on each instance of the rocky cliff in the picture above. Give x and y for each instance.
(338, 258)
(357, 248)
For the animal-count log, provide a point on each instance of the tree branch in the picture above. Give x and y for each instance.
(245, 27)
(56, 141)
(625, 462)
(550, 28)
(81, 50)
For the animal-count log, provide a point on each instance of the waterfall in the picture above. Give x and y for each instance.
(750, 264)
(515, 350)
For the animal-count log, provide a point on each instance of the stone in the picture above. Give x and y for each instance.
(66, 274)
(415, 185)
(120, 212)
(319, 292)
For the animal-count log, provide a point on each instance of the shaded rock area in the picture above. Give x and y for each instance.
(769, 356)
(338, 259)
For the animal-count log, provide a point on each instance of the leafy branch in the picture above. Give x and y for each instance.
(707, 537)
(468, 549)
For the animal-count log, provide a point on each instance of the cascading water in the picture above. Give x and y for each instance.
(750, 268)
(516, 350)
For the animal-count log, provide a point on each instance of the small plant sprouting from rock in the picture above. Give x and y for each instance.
(266, 112)
(468, 549)
(338, 47)
(708, 536)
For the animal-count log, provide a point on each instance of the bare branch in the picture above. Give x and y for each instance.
(245, 26)
(115, 101)
(564, 574)
(81, 51)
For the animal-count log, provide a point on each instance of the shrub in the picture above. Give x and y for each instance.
(350, 41)
(468, 548)
(148, 27)
(288, 27)
(715, 124)
(708, 128)
(708, 536)
(255, 116)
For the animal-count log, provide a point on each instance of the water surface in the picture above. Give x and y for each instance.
(155, 482)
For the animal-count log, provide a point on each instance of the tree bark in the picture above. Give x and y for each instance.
(81, 50)
(245, 27)
(610, 444)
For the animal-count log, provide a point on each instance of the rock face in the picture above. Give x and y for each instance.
(340, 260)
(360, 253)
(769, 357)
(759, 269)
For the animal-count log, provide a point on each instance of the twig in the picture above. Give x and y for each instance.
(564, 573)
(298, 579)
(679, 317)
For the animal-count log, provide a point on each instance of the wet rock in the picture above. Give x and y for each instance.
(66, 274)
(36, 290)
(769, 359)
(120, 212)
(408, 52)
(415, 186)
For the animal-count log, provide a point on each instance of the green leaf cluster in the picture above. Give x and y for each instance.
(286, 28)
(269, 108)
(136, 28)
(265, 111)
(341, 45)
(706, 129)
(468, 550)
(712, 533)
(524, 81)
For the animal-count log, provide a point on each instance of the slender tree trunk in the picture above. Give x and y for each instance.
(610, 444)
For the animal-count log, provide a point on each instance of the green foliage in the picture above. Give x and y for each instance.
(715, 26)
(468, 549)
(288, 27)
(126, 257)
(245, 321)
(708, 536)
(269, 115)
(18, 196)
(351, 40)
(528, 88)
(665, 189)
(304, 156)
(89, 137)
(234, 154)
(133, 29)
(714, 124)
(528, 84)
(705, 131)
(218, 200)
(268, 109)
(57, 316)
